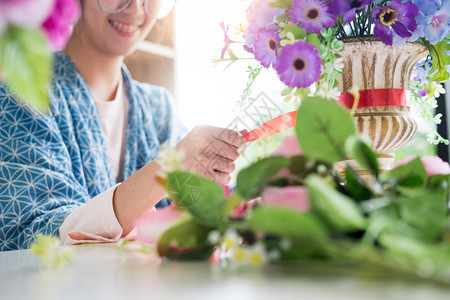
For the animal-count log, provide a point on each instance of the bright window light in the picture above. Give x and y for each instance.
(208, 94)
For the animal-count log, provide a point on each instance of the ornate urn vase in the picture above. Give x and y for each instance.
(382, 74)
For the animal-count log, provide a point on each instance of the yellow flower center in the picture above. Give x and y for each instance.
(229, 243)
(313, 13)
(388, 17)
(239, 254)
(256, 259)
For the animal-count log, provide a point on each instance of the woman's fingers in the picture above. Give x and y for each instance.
(230, 137)
(221, 178)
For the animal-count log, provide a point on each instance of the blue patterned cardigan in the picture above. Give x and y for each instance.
(52, 163)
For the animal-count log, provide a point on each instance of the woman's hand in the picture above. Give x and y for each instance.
(211, 151)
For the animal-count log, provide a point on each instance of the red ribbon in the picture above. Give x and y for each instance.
(376, 97)
(271, 127)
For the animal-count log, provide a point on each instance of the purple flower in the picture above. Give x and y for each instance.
(298, 64)
(398, 16)
(24, 13)
(259, 15)
(347, 8)
(266, 46)
(313, 15)
(57, 27)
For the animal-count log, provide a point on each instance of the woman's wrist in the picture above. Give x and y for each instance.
(140, 192)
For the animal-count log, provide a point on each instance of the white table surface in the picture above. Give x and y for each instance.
(102, 273)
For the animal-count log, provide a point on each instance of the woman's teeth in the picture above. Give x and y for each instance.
(122, 27)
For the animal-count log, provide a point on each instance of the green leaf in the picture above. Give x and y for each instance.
(440, 61)
(203, 198)
(251, 180)
(231, 203)
(286, 222)
(299, 33)
(428, 214)
(286, 91)
(285, 4)
(362, 153)
(26, 63)
(408, 179)
(313, 38)
(322, 129)
(354, 187)
(185, 240)
(341, 212)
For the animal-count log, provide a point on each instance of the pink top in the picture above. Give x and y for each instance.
(96, 221)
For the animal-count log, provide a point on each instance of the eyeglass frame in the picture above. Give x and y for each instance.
(127, 4)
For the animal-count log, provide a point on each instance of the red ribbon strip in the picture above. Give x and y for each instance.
(376, 97)
(273, 126)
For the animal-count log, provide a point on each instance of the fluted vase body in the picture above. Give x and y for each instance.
(371, 65)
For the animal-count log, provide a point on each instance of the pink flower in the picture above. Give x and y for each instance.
(433, 164)
(24, 13)
(226, 191)
(226, 38)
(153, 223)
(289, 147)
(244, 208)
(58, 25)
(295, 197)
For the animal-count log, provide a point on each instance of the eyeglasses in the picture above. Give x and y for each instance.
(156, 9)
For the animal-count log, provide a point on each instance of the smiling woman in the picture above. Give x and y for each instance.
(89, 168)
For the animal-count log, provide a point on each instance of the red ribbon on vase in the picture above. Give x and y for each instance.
(376, 97)
(367, 98)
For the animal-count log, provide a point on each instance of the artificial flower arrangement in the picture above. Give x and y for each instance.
(301, 41)
(29, 31)
(294, 205)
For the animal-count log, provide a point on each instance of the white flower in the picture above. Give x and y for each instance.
(285, 244)
(339, 64)
(437, 119)
(257, 255)
(231, 239)
(170, 160)
(213, 237)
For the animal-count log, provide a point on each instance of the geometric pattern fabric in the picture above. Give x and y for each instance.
(52, 163)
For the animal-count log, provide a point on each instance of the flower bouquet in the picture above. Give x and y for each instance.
(29, 31)
(302, 40)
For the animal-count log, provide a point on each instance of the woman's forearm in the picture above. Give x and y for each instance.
(138, 193)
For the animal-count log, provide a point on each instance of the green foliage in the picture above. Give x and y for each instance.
(322, 129)
(254, 178)
(288, 223)
(362, 153)
(285, 4)
(440, 61)
(340, 212)
(203, 198)
(50, 251)
(25, 61)
(354, 187)
(185, 240)
(407, 179)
